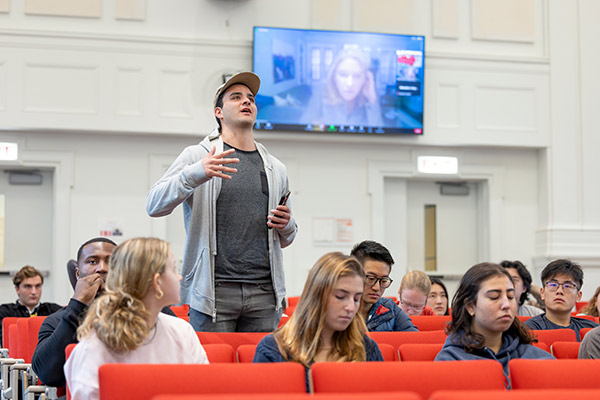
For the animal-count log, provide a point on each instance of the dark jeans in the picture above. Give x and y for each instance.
(241, 307)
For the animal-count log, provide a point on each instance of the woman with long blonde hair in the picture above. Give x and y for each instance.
(324, 326)
(125, 325)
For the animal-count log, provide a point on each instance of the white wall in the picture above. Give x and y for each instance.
(109, 102)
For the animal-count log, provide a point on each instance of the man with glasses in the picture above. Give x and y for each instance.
(380, 313)
(561, 288)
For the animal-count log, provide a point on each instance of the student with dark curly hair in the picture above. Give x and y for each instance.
(522, 280)
(484, 324)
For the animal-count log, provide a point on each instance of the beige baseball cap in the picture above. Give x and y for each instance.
(249, 79)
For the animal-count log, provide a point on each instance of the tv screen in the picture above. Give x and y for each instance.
(333, 81)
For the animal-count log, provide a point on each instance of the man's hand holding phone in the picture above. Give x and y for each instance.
(280, 217)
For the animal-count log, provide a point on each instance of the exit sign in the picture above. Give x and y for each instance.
(9, 151)
(437, 165)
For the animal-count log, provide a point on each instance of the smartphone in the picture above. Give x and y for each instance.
(284, 199)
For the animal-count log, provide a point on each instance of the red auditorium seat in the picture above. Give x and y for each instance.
(293, 301)
(245, 353)
(6, 322)
(397, 338)
(423, 377)
(219, 353)
(566, 350)
(419, 351)
(431, 322)
(523, 394)
(291, 396)
(554, 374)
(143, 381)
(550, 336)
(234, 339)
(584, 331)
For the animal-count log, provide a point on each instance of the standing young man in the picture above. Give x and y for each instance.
(380, 313)
(561, 288)
(233, 266)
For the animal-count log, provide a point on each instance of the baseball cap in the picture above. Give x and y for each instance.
(249, 79)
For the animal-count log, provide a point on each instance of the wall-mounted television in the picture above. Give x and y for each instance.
(335, 81)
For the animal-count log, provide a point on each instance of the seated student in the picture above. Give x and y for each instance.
(380, 313)
(323, 326)
(413, 293)
(562, 281)
(28, 285)
(592, 306)
(522, 280)
(590, 345)
(125, 324)
(438, 297)
(484, 324)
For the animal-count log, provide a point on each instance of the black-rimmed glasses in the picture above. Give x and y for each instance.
(384, 282)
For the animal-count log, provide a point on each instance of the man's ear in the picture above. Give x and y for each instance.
(219, 112)
(579, 295)
(542, 293)
(77, 272)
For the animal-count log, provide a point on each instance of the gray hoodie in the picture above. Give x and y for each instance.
(186, 183)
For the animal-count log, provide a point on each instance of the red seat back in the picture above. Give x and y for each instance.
(33, 328)
(540, 394)
(6, 322)
(291, 396)
(419, 351)
(550, 336)
(388, 352)
(13, 334)
(181, 311)
(584, 331)
(580, 304)
(543, 346)
(430, 322)
(523, 318)
(234, 339)
(245, 353)
(566, 350)
(142, 381)
(397, 338)
(22, 339)
(554, 374)
(219, 353)
(423, 377)
(292, 301)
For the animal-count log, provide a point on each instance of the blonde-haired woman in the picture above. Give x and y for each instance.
(413, 293)
(125, 324)
(323, 326)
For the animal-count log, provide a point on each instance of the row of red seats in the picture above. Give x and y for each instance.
(144, 381)
(541, 394)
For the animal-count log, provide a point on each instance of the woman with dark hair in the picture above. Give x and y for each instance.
(324, 326)
(438, 297)
(484, 324)
(522, 280)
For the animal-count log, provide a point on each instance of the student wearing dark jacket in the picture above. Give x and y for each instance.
(561, 289)
(324, 326)
(380, 313)
(28, 285)
(484, 324)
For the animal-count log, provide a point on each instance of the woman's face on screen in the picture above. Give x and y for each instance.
(349, 78)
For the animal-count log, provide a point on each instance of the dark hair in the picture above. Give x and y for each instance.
(523, 273)
(94, 240)
(26, 272)
(219, 103)
(566, 267)
(436, 281)
(467, 294)
(371, 250)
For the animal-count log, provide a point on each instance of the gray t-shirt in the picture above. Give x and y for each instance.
(242, 209)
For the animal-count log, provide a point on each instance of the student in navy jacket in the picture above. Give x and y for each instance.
(484, 324)
(380, 313)
(324, 326)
